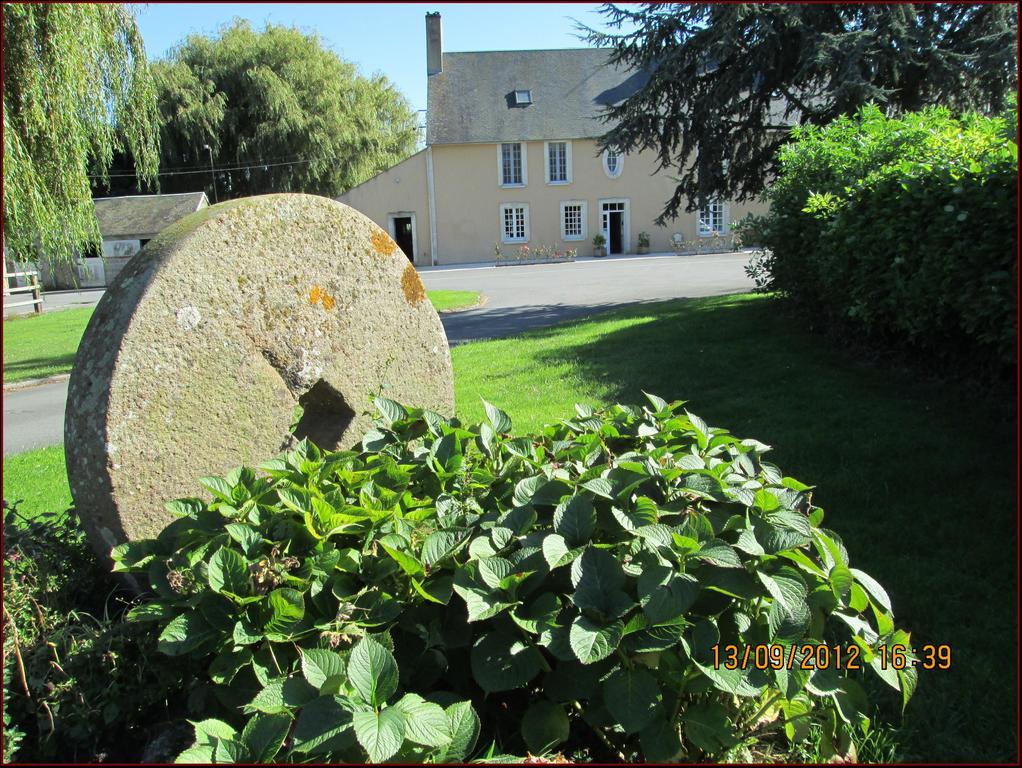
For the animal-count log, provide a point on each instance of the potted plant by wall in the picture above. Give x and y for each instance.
(599, 245)
(643, 243)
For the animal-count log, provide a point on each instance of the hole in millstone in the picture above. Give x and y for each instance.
(321, 415)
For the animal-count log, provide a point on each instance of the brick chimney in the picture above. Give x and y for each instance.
(434, 44)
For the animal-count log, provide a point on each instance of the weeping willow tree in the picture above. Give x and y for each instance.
(279, 111)
(76, 90)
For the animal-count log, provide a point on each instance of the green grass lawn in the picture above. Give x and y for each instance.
(917, 479)
(448, 300)
(42, 345)
(37, 481)
(36, 346)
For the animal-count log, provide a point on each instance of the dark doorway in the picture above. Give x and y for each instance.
(615, 232)
(403, 236)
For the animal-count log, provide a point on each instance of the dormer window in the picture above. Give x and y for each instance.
(523, 98)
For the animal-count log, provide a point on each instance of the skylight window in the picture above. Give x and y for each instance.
(523, 98)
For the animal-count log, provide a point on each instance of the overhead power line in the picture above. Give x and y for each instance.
(207, 170)
(227, 163)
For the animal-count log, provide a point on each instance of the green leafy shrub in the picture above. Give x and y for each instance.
(80, 684)
(901, 229)
(579, 587)
(339, 706)
(747, 232)
(12, 734)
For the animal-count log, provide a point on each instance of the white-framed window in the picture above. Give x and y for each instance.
(558, 162)
(713, 218)
(514, 222)
(613, 162)
(511, 162)
(573, 219)
(523, 97)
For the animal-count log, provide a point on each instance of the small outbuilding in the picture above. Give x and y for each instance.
(126, 224)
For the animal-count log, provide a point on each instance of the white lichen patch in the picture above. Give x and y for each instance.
(311, 369)
(188, 318)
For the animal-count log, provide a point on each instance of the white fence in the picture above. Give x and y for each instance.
(32, 287)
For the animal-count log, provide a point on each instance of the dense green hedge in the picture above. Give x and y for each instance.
(449, 592)
(904, 228)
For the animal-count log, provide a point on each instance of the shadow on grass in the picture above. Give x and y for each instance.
(500, 322)
(919, 482)
(64, 362)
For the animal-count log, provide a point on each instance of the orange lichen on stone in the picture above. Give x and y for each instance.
(414, 290)
(382, 243)
(319, 296)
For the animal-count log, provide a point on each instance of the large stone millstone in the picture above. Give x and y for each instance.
(200, 350)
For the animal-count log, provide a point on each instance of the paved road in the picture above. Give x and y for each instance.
(53, 300)
(518, 298)
(34, 417)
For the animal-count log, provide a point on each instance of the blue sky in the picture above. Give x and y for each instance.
(389, 38)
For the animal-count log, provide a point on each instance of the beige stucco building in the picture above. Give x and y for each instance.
(511, 160)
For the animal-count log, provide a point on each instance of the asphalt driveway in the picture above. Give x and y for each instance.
(517, 299)
(520, 298)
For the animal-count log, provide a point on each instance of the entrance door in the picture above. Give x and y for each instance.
(614, 225)
(403, 235)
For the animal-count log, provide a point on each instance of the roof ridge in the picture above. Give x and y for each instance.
(168, 194)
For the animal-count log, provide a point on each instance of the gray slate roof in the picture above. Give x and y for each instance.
(144, 215)
(470, 101)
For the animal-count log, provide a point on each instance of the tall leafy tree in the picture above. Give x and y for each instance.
(279, 112)
(724, 81)
(76, 89)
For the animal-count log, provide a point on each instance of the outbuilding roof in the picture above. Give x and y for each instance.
(141, 215)
(473, 99)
